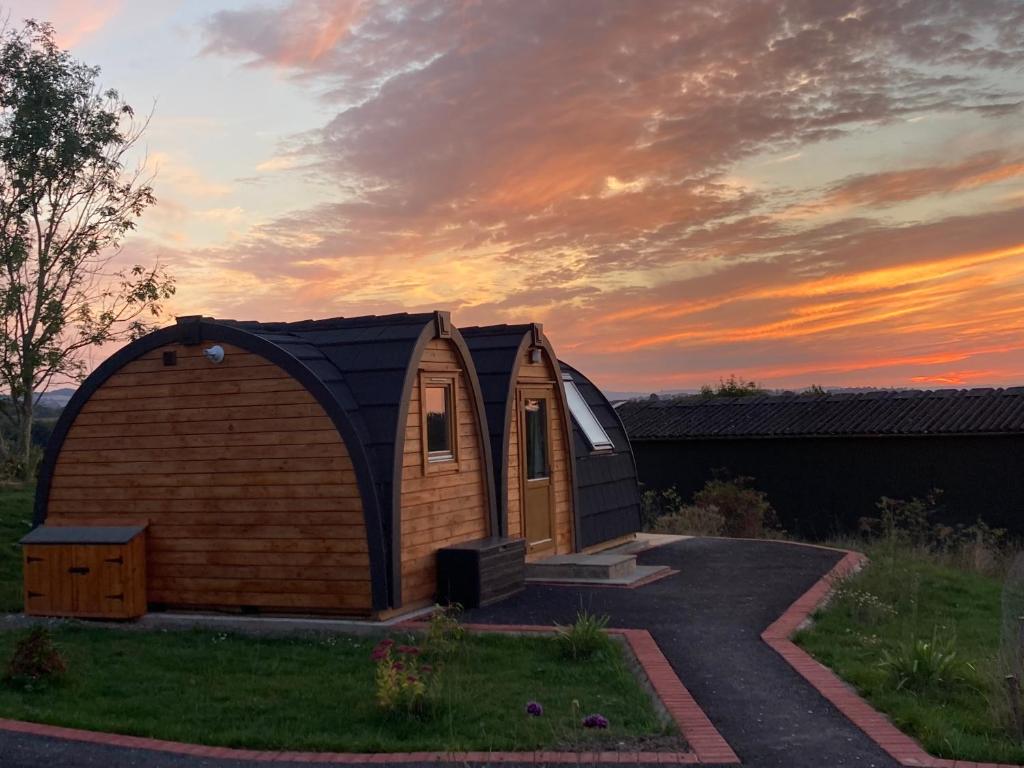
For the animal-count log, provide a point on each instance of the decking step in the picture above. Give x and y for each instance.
(578, 566)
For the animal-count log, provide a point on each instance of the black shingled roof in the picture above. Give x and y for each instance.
(495, 349)
(608, 495)
(909, 412)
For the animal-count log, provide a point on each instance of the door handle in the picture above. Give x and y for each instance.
(118, 560)
(80, 569)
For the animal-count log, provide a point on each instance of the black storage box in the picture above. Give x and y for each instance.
(478, 573)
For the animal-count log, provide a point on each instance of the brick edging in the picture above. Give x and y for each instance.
(901, 747)
(706, 744)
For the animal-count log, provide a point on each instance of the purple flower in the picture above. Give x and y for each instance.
(426, 669)
(379, 654)
(386, 643)
(595, 721)
(398, 665)
(534, 709)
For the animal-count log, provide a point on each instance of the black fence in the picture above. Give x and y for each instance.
(821, 486)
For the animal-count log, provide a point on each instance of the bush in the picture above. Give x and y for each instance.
(919, 664)
(656, 504)
(908, 524)
(35, 662)
(745, 510)
(444, 633)
(690, 520)
(405, 683)
(723, 507)
(583, 638)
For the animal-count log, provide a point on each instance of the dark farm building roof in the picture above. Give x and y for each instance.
(902, 413)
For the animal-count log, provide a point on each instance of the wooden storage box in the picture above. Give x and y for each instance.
(96, 572)
(477, 573)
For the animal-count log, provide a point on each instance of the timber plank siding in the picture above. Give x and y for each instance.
(286, 477)
(82, 485)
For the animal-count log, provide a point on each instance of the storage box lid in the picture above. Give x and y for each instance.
(492, 543)
(83, 534)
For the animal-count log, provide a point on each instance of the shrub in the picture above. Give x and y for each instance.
(405, 683)
(745, 510)
(583, 638)
(903, 524)
(444, 633)
(919, 664)
(657, 504)
(690, 520)
(35, 662)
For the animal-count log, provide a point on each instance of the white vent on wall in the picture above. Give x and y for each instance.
(585, 417)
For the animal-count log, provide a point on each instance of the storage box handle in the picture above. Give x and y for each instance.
(79, 569)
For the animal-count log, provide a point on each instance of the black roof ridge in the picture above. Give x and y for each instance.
(498, 329)
(327, 323)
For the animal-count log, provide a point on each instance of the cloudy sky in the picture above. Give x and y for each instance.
(797, 192)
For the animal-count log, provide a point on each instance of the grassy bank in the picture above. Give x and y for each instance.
(15, 521)
(907, 604)
(318, 694)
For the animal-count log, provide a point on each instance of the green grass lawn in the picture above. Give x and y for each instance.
(317, 694)
(902, 595)
(15, 521)
(314, 694)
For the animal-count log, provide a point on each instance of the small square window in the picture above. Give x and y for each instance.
(437, 407)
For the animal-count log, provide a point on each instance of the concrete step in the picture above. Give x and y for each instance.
(579, 566)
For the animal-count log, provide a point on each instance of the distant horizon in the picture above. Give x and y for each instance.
(802, 193)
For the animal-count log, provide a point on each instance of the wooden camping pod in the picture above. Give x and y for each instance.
(288, 475)
(596, 498)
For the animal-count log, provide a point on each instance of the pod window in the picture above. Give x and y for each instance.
(585, 418)
(437, 395)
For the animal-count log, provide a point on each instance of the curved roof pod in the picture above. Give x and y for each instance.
(362, 371)
(502, 356)
(606, 480)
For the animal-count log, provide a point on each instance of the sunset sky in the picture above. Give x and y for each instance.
(797, 192)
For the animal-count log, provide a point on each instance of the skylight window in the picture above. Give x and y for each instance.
(585, 417)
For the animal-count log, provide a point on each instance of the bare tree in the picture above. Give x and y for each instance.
(66, 202)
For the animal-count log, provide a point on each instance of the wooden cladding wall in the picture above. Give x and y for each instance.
(542, 374)
(248, 488)
(449, 503)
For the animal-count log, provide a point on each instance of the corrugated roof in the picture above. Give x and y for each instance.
(908, 412)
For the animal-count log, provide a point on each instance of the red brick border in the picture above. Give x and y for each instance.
(706, 743)
(877, 726)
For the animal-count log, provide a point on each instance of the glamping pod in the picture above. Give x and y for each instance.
(530, 435)
(313, 466)
(607, 491)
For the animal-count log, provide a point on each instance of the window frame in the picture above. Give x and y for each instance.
(601, 446)
(437, 461)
